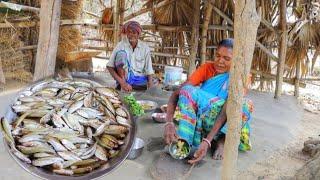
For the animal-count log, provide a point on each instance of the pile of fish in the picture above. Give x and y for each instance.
(70, 127)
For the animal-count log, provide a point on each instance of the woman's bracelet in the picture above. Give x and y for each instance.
(167, 123)
(207, 141)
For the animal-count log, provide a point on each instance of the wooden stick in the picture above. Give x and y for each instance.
(48, 39)
(32, 47)
(89, 22)
(142, 11)
(273, 77)
(2, 78)
(25, 24)
(122, 7)
(194, 36)
(169, 55)
(207, 16)
(297, 80)
(97, 48)
(18, 7)
(309, 79)
(92, 14)
(314, 58)
(282, 48)
(116, 20)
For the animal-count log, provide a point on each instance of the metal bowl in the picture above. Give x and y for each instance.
(105, 169)
(147, 103)
(173, 148)
(159, 117)
(137, 149)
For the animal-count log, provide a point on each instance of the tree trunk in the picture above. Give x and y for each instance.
(314, 58)
(194, 37)
(116, 20)
(48, 39)
(204, 33)
(2, 78)
(282, 48)
(297, 80)
(246, 23)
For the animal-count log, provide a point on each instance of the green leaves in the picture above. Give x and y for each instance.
(135, 108)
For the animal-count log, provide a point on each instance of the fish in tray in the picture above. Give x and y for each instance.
(69, 127)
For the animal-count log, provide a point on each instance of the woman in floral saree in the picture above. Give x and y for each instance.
(201, 107)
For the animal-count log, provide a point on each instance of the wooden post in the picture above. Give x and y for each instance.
(297, 80)
(48, 39)
(2, 78)
(122, 9)
(314, 58)
(204, 32)
(116, 20)
(194, 36)
(246, 23)
(282, 48)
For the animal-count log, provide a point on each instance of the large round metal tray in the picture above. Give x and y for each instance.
(105, 169)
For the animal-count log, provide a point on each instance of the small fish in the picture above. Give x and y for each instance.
(46, 161)
(69, 145)
(75, 106)
(101, 153)
(69, 156)
(56, 144)
(89, 113)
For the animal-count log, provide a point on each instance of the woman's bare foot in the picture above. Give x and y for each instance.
(218, 153)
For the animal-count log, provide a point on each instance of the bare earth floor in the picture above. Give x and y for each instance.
(279, 128)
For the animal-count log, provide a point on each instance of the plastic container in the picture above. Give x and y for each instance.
(172, 75)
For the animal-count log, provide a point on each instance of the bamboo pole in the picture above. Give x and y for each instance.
(273, 77)
(122, 7)
(314, 58)
(48, 39)
(116, 20)
(92, 14)
(282, 48)
(2, 78)
(18, 7)
(25, 24)
(297, 79)
(31, 47)
(204, 32)
(246, 24)
(169, 55)
(194, 36)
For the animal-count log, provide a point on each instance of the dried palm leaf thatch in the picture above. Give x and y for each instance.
(306, 36)
(70, 39)
(71, 9)
(177, 13)
(80, 55)
(13, 61)
(214, 37)
(21, 75)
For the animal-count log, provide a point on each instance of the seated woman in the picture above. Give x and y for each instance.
(130, 62)
(201, 111)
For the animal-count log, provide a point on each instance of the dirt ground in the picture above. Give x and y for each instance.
(280, 164)
(284, 163)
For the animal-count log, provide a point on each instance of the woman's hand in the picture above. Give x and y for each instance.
(170, 134)
(200, 153)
